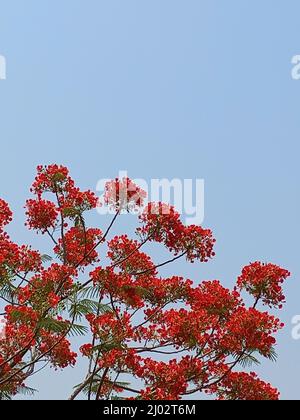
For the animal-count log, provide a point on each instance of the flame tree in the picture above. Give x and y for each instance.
(143, 336)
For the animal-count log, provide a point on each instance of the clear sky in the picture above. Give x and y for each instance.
(165, 88)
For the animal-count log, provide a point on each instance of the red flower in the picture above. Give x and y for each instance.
(17, 258)
(249, 330)
(52, 178)
(264, 281)
(43, 286)
(167, 381)
(53, 299)
(161, 223)
(244, 386)
(41, 214)
(111, 326)
(78, 247)
(75, 202)
(212, 297)
(86, 350)
(176, 338)
(5, 214)
(57, 349)
(124, 194)
(125, 254)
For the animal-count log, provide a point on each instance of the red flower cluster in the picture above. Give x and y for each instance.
(183, 328)
(71, 202)
(215, 299)
(5, 214)
(264, 281)
(111, 327)
(52, 178)
(29, 260)
(123, 194)
(43, 289)
(244, 386)
(167, 381)
(41, 215)
(76, 202)
(249, 330)
(174, 337)
(78, 246)
(121, 287)
(160, 291)
(121, 359)
(57, 349)
(125, 254)
(15, 337)
(16, 259)
(86, 350)
(161, 223)
(21, 315)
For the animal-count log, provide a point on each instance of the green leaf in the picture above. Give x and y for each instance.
(248, 360)
(273, 355)
(46, 258)
(89, 292)
(23, 390)
(7, 291)
(78, 330)
(61, 327)
(26, 390)
(87, 306)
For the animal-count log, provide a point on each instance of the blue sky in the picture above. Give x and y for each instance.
(185, 89)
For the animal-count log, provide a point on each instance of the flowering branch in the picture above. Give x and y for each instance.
(202, 331)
